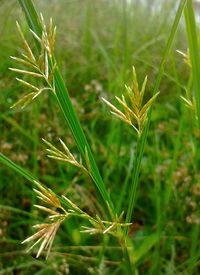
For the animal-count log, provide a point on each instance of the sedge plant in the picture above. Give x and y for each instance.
(43, 67)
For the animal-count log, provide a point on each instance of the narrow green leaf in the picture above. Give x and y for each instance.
(16, 167)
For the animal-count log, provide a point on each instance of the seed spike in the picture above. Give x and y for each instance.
(50, 78)
(35, 36)
(148, 104)
(65, 148)
(27, 84)
(46, 238)
(46, 65)
(143, 89)
(38, 241)
(23, 61)
(54, 152)
(26, 72)
(34, 236)
(24, 101)
(115, 110)
(51, 239)
(136, 115)
(66, 157)
(120, 116)
(109, 228)
(26, 45)
(45, 209)
(135, 85)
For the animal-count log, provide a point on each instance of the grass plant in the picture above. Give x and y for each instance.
(91, 217)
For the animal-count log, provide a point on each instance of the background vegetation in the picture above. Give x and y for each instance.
(97, 43)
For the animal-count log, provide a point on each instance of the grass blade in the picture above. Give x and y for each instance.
(16, 167)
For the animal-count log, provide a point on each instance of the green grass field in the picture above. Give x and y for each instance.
(153, 177)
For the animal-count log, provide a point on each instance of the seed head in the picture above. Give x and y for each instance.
(135, 113)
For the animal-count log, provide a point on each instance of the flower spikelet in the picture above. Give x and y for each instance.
(135, 113)
(46, 232)
(65, 155)
(186, 57)
(40, 66)
(188, 99)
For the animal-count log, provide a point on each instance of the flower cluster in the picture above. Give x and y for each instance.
(60, 209)
(135, 113)
(40, 66)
